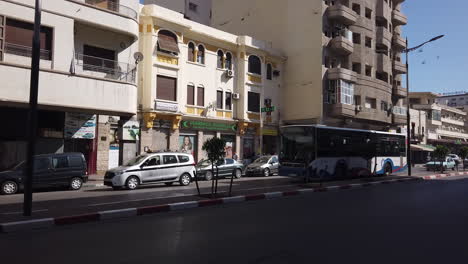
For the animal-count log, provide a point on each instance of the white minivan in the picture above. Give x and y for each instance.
(151, 168)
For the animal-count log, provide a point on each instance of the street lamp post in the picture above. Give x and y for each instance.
(408, 116)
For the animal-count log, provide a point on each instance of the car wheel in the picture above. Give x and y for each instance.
(388, 169)
(266, 172)
(169, 183)
(208, 176)
(238, 174)
(76, 184)
(185, 179)
(132, 183)
(9, 187)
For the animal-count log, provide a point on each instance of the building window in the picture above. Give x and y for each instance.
(193, 7)
(219, 99)
(357, 100)
(228, 61)
(381, 22)
(2, 36)
(368, 42)
(357, 67)
(383, 106)
(383, 76)
(368, 70)
(228, 101)
(190, 95)
(201, 54)
(98, 59)
(357, 9)
(167, 42)
(356, 38)
(368, 13)
(253, 102)
(18, 39)
(371, 103)
(200, 96)
(191, 52)
(347, 92)
(220, 59)
(166, 88)
(255, 65)
(269, 71)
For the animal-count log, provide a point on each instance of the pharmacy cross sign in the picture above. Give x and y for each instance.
(268, 109)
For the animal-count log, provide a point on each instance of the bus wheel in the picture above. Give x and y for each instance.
(388, 169)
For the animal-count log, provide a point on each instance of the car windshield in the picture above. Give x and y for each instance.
(136, 160)
(262, 160)
(204, 163)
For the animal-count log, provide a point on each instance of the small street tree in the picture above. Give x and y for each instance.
(440, 153)
(463, 154)
(215, 149)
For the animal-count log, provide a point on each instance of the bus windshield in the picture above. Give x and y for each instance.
(297, 144)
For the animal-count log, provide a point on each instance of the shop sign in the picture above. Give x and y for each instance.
(202, 125)
(79, 125)
(268, 109)
(165, 106)
(131, 130)
(270, 132)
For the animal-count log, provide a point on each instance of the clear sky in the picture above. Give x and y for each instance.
(441, 66)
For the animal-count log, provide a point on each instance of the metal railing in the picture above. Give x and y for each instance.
(104, 68)
(26, 51)
(397, 110)
(114, 6)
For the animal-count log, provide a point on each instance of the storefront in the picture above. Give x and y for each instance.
(270, 140)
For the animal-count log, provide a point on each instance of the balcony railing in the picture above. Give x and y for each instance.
(397, 110)
(104, 68)
(26, 51)
(113, 6)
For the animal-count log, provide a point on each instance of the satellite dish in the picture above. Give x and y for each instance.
(138, 56)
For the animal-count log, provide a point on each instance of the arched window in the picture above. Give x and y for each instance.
(191, 52)
(167, 42)
(201, 54)
(220, 59)
(269, 71)
(228, 63)
(255, 65)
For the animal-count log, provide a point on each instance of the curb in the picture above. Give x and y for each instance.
(148, 210)
(440, 176)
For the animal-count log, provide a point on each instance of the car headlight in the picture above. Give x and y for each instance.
(118, 173)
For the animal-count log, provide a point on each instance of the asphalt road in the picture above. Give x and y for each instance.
(417, 222)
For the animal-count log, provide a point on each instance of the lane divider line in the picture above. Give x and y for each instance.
(148, 210)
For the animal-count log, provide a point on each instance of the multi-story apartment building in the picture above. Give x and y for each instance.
(455, 99)
(344, 56)
(87, 73)
(197, 82)
(445, 125)
(195, 10)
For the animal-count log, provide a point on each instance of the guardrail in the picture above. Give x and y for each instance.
(105, 68)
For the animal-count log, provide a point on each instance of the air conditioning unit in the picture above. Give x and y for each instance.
(235, 96)
(229, 73)
(359, 108)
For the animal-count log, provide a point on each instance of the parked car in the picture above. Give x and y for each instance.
(50, 170)
(448, 163)
(164, 167)
(226, 167)
(264, 166)
(455, 157)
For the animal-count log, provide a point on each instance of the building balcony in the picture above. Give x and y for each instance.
(103, 68)
(398, 18)
(384, 37)
(398, 119)
(341, 110)
(113, 6)
(342, 74)
(399, 67)
(384, 64)
(399, 92)
(70, 91)
(342, 45)
(342, 14)
(398, 42)
(451, 134)
(453, 121)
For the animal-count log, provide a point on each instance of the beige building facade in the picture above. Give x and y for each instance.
(344, 63)
(87, 73)
(195, 10)
(197, 82)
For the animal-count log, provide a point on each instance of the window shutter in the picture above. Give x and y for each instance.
(166, 88)
(219, 99)
(168, 43)
(200, 96)
(190, 95)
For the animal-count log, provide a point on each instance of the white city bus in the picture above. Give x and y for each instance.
(330, 152)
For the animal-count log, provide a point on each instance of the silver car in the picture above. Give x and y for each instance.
(166, 167)
(263, 166)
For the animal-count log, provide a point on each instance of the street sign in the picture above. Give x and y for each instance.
(203, 125)
(268, 109)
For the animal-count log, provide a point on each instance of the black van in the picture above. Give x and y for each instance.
(50, 170)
